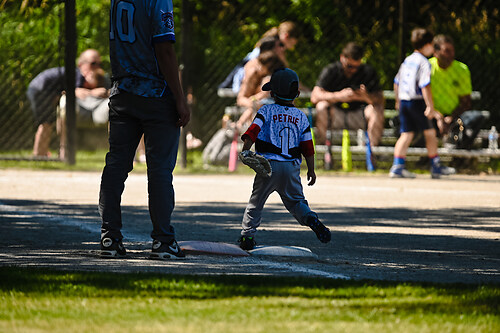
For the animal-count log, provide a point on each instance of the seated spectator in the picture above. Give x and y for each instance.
(348, 95)
(451, 81)
(94, 107)
(286, 32)
(451, 93)
(251, 95)
(270, 43)
(45, 90)
(91, 108)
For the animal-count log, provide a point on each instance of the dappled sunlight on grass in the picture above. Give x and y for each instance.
(95, 160)
(61, 301)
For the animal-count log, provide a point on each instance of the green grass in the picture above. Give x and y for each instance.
(94, 161)
(85, 161)
(36, 300)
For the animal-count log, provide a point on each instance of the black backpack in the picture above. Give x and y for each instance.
(465, 129)
(462, 132)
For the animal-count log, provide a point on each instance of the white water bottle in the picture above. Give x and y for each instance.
(493, 138)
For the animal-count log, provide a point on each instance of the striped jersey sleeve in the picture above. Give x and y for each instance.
(253, 131)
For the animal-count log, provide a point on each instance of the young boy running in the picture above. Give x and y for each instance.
(281, 133)
(412, 87)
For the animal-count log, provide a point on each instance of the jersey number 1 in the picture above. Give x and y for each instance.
(285, 140)
(121, 21)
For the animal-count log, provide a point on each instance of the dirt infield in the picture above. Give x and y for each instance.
(444, 230)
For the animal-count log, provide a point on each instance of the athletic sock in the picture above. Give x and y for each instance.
(435, 161)
(399, 161)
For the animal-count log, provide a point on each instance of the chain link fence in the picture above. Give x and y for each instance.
(25, 52)
(325, 27)
(213, 36)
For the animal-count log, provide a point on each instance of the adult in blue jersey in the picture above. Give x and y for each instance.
(146, 98)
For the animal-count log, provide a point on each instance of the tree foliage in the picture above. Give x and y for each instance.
(25, 5)
(222, 32)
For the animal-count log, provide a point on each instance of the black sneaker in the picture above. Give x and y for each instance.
(112, 248)
(322, 232)
(166, 250)
(247, 243)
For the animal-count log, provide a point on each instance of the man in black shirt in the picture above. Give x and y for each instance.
(348, 95)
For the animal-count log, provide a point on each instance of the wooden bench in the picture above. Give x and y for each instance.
(443, 151)
(92, 136)
(388, 138)
(89, 135)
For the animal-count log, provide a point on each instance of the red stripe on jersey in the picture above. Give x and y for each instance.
(307, 148)
(251, 132)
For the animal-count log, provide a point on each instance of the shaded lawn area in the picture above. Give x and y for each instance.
(62, 301)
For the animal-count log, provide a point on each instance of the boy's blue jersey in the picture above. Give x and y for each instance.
(133, 60)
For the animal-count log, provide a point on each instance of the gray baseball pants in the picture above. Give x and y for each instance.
(285, 180)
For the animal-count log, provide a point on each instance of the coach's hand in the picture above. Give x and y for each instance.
(184, 114)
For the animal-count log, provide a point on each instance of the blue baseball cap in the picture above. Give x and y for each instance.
(284, 84)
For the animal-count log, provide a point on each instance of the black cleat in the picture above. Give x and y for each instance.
(112, 248)
(165, 251)
(247, 243)
(322, 232)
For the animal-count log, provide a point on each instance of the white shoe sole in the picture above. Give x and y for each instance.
(447, 172)
(396, 175)
(111, 254)
(164, 256)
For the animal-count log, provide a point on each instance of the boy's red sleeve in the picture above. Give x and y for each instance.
(254, 129)
(251, 133)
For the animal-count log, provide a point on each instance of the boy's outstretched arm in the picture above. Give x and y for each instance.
(311, 174)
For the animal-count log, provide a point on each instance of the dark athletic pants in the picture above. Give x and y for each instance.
(130, 116)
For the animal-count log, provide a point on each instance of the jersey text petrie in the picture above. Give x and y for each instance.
(284, 118)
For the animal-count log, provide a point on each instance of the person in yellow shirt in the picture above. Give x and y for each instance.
(451, 81)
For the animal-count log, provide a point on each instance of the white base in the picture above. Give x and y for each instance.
(283, 251)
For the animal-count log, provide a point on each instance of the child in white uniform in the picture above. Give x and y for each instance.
(412, 86)
(281, 134)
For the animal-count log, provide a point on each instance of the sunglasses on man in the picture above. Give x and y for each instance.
(94, 63)
(349, 66)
